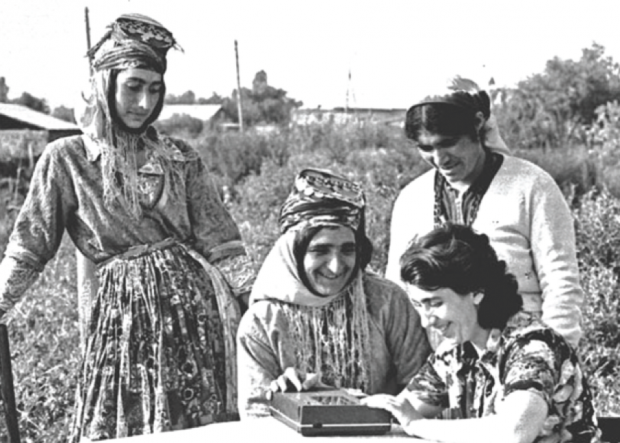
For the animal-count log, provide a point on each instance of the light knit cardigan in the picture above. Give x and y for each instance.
(530, 226)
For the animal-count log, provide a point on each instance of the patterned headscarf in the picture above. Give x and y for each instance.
(132, 41)
(321, 197)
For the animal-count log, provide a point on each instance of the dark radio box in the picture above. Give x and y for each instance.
(328, 413)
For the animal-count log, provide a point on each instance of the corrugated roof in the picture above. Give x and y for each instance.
(35, 118)
(201, 112)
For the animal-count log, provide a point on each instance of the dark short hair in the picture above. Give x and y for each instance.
(455, 256)
(453, 115)
(303, 237)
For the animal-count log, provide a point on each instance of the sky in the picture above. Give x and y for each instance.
(396, 51)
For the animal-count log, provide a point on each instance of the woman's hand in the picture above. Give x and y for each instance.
(399, 407)
(293, 379)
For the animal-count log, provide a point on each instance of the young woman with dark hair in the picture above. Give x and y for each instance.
(503, 383)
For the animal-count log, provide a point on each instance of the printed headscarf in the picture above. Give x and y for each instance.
(465, 94)
(321, 197)
(318, 198)
(132, 41)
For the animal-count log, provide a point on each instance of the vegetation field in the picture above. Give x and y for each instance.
(255, 172)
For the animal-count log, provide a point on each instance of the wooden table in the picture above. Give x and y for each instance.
(262, 430)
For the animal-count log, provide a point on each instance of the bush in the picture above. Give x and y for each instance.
(598, 251)
(45, 351)
(234, 156)
(574, 169)
(180, 125)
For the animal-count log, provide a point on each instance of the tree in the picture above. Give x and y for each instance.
(64, 113)
(184, 126)
(29, 100)
(550, 108)
(187, 98)
(215, 99)
(4, 90)
(261, 104)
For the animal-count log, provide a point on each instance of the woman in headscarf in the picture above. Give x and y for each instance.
(474, 181)
(316, 317)
(159, 351)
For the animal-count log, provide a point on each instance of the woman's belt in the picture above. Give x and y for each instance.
(139, 251)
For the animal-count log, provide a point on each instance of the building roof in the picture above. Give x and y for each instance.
(35, 118)
(201, 112)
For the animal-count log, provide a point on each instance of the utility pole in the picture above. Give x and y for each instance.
(350, 99)
(240, 113)
(88, 38)
(346, 101)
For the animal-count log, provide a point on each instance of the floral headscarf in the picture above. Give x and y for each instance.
(133, 41)
(321, 197)
(318, 198)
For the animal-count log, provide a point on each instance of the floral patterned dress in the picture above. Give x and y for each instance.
(533, 358)
(159, 347)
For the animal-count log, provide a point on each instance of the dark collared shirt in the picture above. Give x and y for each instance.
(449, 207)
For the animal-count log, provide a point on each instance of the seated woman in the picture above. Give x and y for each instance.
(509, 385)
(316, 316)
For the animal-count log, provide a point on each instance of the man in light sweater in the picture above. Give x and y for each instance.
(515, 203)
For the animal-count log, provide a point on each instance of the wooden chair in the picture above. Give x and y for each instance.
(7, 391)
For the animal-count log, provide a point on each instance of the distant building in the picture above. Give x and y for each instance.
(25, 132)
(206, 113)
(340, 115)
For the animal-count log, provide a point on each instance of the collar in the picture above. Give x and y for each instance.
(469, 352)
(493, 345)
(492, 162)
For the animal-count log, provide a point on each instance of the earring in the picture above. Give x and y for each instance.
(478, 296)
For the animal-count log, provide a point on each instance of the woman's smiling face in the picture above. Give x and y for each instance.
(459, 159)
(330, 260)
(453, 315)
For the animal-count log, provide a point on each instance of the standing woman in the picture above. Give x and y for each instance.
(518, 205)
(159, 352)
